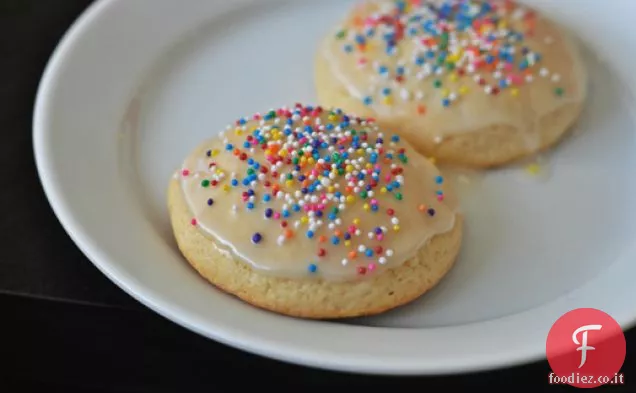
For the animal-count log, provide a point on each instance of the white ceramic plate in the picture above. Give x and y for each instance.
(135, 85)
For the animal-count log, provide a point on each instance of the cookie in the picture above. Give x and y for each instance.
(312, 213)
(472, 83)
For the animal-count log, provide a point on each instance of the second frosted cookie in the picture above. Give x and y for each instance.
(477, 83)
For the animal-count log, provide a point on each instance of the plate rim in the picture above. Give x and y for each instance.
(257, 345)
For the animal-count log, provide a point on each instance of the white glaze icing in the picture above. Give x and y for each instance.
(529, 94)
(341, 158)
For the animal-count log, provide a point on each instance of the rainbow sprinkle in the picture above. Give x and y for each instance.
(455, 43)
(317, 165)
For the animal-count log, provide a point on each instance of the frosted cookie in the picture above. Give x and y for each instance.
(312, 213)
(477, 83)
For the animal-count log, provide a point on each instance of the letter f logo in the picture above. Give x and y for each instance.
(583, 344)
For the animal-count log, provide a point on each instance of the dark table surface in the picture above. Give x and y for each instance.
(65, 325)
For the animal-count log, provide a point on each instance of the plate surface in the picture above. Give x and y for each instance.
(134, 86)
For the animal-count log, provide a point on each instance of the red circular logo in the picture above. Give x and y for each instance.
(585, 349)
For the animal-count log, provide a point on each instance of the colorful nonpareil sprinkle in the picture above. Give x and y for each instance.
(448, 44)
(320, 177)
(256, 238)
(533, 169)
